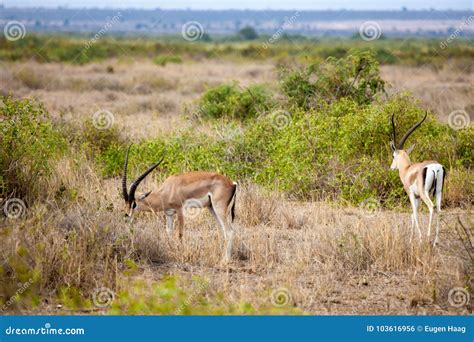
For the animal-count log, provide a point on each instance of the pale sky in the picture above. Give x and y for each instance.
(248, 4)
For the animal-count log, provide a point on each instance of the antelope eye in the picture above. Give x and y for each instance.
(134, 205)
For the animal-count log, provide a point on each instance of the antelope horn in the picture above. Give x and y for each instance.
(124, 177)
(411, 130)
(394, 134)
(133, 187)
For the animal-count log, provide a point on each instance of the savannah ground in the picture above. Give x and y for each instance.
(291, 255)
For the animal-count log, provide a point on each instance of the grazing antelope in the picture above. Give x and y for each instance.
(420, 180)
(184, 191)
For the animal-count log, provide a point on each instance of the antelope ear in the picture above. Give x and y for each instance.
(145, 195)
(392, 146)
(410, 149)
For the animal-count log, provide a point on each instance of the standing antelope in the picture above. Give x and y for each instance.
(184, 191)
(419, 179)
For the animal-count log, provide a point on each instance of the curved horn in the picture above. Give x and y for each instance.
(411, 130)
(394, 134)
(124, 177)
(133, 187)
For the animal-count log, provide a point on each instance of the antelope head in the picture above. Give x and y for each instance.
(131, 203)
(400, 155)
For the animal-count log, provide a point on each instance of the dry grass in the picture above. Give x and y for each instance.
(332, 260)
(442, 91)
(148, 99)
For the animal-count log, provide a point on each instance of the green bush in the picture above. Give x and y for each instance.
(162, 60)
(248, 33)
(91, 140)
(355, 76)
(339, 151)
(176, 296)
(29, 145)
(230, 101)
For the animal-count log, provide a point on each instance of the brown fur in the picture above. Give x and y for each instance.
(208, 189)
(176, 189)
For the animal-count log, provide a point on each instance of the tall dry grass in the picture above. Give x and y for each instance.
(330, 259)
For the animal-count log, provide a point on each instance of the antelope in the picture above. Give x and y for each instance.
(182, 192)
(420, 180)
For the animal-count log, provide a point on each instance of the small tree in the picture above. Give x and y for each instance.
(355, 76)
(248, 33)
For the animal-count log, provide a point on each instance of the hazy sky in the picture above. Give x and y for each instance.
(251, 4)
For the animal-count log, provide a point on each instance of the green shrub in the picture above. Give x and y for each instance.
(29, 145)
(176, 296)
(339, 151)
(162, 60)
(248, 33)
(229, 101)
(355, 76)
(91, 140)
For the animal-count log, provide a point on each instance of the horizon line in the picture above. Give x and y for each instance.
(402, 9)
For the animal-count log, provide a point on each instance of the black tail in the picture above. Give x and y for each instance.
(234, 198)
(424, 172)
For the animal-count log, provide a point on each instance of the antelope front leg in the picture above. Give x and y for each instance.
(169, 221)
(180, 223)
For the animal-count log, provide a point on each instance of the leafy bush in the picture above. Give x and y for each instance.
(229, 101)
(162, 60)
(355, 76)
(86, 137)
(248, 33)
(29, 145)
(175, 296)
(340, 151)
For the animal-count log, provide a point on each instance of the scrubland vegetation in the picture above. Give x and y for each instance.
(79, 50)
(323, 224)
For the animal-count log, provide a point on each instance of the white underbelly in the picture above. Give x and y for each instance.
(202, 202)
(414, 189)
